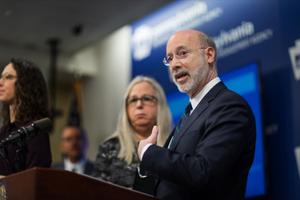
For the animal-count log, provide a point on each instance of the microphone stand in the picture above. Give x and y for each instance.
(21, 149)
(3, 153)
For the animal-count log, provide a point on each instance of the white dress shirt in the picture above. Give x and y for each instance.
(77, 167)
(197, 99)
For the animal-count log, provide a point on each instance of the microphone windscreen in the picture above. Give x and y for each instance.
(43, 124)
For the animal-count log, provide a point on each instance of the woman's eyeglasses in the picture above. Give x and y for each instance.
(7, 77)
(145, 99)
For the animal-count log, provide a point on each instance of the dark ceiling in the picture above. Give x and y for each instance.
(26, 25)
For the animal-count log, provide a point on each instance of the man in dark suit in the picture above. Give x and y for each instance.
(73, 146)
(210, 151)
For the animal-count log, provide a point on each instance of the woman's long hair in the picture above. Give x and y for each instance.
(31, 94)
(124, 130)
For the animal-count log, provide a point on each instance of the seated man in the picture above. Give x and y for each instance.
(73, 146)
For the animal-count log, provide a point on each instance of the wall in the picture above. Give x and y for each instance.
(105, 67)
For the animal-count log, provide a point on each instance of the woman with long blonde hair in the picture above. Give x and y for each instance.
(144, 105)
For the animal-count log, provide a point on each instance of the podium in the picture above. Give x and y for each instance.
(51, 184)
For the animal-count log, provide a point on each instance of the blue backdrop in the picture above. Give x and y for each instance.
(248, 31)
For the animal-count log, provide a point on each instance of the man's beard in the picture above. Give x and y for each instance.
(196, 76)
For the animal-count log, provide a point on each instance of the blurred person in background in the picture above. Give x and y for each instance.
(144, 105)
(73, 146)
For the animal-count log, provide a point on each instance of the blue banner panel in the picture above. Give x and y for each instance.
(266, 33)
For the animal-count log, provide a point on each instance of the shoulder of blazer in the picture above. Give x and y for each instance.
(89, 167)
(211, 95)
(220, 87)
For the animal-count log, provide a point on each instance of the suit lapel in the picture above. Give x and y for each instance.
(201, 107)
(169, 138)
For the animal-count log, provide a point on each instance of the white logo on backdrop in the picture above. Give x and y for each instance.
(238, 38)
(142, 40)
(295, 58)
(146, 37)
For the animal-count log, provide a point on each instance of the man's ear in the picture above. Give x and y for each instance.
(211, 55)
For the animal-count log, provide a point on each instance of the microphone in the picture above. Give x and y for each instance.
(44, 124)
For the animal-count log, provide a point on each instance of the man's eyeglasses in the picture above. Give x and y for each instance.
(146, 100)
(7, 77)
(182, 53)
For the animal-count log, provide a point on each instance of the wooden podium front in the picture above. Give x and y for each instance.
(52, 184)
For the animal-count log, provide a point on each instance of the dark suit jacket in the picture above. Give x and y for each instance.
(213, 153)
(88, 168)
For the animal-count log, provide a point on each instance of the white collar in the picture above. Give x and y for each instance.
(197, 99)
(78, 166)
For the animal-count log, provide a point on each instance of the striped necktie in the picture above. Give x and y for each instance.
(181, 123)
(183, 118)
